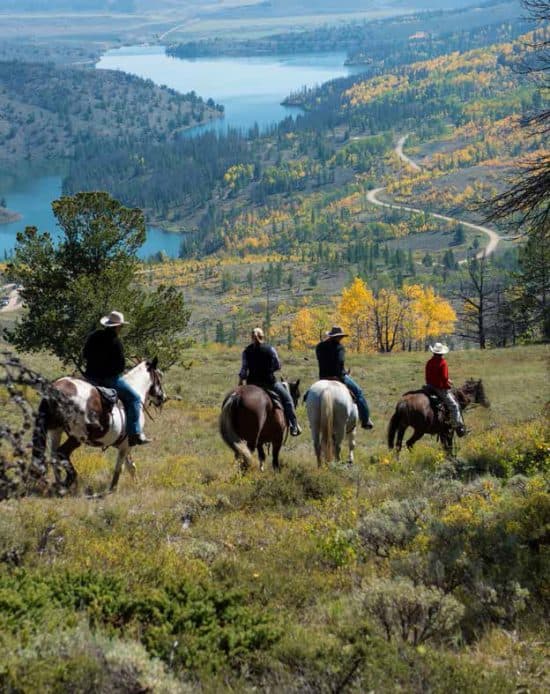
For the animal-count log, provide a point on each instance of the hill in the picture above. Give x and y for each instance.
(418, 574)
(49, 111)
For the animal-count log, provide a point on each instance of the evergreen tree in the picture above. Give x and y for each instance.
(68, 286)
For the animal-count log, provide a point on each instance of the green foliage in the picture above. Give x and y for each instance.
(190, 626)
(67, 287)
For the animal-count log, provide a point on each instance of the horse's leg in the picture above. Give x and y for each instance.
(339, 433)
(275, 456)
(55, 440)
(261, 456)
(277, 444)
(129, 462)
(400, 435)
(316, 437)
(64, 453)
(414, 438)
(122, 457)
(351, 444)
(447, 442)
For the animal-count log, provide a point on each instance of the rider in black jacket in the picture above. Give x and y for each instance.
(331, 355)
(259, 363)
(105, 363)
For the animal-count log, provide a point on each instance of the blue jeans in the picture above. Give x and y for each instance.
(288, 404)
(130, 400)
(362, 404)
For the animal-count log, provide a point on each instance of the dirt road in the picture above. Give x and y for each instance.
(372, 196)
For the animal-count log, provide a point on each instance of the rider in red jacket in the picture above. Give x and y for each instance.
(437, 378)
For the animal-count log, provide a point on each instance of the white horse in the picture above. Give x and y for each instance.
(74, 406)
(332, 414)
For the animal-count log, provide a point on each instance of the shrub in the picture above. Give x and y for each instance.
(293, 487)
(394, 524)
(491, 547)
(411, 613)
(520, 450)
(78, 660)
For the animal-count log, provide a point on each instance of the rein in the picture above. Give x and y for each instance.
(147, 411)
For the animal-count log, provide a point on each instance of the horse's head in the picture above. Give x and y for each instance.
(474, 392)
(293, 388)
(155, 394)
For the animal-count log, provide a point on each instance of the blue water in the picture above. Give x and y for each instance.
(251, 89)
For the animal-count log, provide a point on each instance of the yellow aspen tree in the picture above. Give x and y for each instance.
(355, 311)
(436, 316)
(411, 324)
(388, 311)
(304, 329)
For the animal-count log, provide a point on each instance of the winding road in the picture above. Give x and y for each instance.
(372, 196)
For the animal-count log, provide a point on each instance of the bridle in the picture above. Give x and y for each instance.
(155, 394)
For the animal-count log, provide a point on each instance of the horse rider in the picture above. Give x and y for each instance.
(331, 355)
(105, 364)
(438, 381)
(259, 363)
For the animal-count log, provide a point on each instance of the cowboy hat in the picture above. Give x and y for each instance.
(439, 348)
(336, 331)
(114, 319)
(258, 334)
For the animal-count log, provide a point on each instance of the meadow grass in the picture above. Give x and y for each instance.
(199, 577)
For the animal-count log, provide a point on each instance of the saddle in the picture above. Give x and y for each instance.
(109, 398)
(275, 399)
(334, 378)
(438, 406)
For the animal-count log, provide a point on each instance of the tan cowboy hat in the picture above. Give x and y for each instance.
(335, 331)
(114, 319)
(258, 334)
(439, 348)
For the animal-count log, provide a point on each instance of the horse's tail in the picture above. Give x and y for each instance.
(393, 427)
(326, 425)
(227, 428)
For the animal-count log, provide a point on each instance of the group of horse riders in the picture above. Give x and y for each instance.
(105, 362)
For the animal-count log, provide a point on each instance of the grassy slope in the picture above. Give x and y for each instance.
(262, 536)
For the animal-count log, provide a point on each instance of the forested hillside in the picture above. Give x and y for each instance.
(338, 149)
(383, 42)
(47, 111)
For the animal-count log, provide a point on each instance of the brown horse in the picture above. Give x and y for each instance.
(414, 410)
(249, 420)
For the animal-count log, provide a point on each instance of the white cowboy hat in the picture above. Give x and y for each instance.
(439, 348)
(114, 319)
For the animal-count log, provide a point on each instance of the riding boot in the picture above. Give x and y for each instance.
(138, 439)
(294, 427)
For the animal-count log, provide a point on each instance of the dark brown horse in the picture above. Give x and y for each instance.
(249, 420)
(414, 410)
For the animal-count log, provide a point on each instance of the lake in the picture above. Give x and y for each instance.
(251, 89)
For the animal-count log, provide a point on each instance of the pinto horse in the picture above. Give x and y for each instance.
(249, 420)
(81, 413)
(332, 414)
(414, 410)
